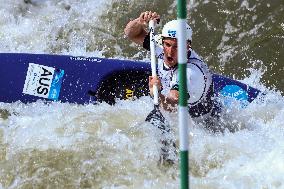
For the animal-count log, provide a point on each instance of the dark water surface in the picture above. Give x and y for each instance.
(232, 36)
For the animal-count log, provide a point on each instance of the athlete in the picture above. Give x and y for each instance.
(199, 77)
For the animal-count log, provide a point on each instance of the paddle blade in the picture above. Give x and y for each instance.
(168, 147)
(157, 119)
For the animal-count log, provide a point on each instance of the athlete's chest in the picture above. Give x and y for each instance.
(168, 76)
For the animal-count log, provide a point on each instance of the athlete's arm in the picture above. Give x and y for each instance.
(170, 101)
(136, 30)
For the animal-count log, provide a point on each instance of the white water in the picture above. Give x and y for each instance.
(65, 27)
(101, 146)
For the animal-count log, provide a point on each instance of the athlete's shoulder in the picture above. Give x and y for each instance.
(194, 55)
(195, 59)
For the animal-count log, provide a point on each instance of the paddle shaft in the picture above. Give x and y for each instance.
(153, 59)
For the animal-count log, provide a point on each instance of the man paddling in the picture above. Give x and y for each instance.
(199, 82)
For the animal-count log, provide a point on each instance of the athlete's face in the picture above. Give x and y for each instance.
(170, 52)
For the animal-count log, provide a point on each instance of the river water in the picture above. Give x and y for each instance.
(61, 145)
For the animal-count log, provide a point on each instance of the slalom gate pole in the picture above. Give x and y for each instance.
(183, 106)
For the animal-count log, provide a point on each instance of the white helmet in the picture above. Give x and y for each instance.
(170, 30)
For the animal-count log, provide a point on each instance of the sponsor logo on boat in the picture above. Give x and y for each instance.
(129, 94)
(43, 81)
(233, 94)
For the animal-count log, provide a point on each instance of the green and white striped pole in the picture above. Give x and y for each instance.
(183, 106)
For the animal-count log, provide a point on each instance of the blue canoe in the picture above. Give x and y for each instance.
(29, 77)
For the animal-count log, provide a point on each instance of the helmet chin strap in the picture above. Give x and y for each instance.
(189, 52)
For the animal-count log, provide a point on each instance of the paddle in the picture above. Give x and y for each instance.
(155, 117)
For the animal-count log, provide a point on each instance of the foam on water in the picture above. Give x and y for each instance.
(45, 26)
(93, 141)
(112, 147)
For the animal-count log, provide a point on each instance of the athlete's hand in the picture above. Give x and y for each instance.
(154, 81)
(146, 16)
